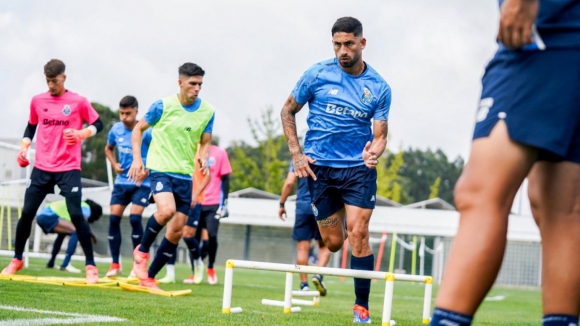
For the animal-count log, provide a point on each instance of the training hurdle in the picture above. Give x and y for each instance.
(314, 294)
(290, 269)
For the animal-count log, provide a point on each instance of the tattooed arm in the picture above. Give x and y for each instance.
(288, 115)
(374, 150)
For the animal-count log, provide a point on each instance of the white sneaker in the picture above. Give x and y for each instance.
(71, 269)
(132, 275)
(198, 273)
(167, 280)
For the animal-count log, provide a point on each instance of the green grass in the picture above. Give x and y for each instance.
(203, 306)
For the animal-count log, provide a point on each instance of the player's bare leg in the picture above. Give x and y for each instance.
(483, 195)
(554, 191)
(302, 250)
(332, 230)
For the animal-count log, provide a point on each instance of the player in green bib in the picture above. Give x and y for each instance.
(179, 123)
(55, 218)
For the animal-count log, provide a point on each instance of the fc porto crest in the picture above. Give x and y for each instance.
(366, 97)
(314, 210)
(211, 161)
(66, 110)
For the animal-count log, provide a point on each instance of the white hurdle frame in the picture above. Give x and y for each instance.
(291, 269)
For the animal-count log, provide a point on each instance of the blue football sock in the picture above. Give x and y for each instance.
(164, 252)
(173, 258)
(362, 287)
(137, 229)
(115, 237)
(560, 320)
(443, 317)
(151, 231)
(70, 249)
(193, 247)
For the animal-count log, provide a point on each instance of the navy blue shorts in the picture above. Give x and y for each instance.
(123, 194)
(180, 188)
(537, 95)
(47, 222)
(334, 187)
(305, 228)
(194, 215)
(42, 183)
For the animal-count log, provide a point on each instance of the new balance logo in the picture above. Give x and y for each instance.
(166, 254)
(338, 110)
(75, 189)
(151, 229)
(333, 91)
(111, 238)
(135, 236)
(373, 198)
(187, 128)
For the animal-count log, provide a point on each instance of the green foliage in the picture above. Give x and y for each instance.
(435, 188)
(264, 166)
(388, 178)
(419, 170)
(93, 163)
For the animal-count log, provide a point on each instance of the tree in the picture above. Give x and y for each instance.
(435, 188)
(263, 167)
(93, 149)
(388, 178)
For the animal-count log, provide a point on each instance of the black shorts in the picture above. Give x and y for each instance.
(123, 194)
(42, 183)
(334, 187)
(194, 216)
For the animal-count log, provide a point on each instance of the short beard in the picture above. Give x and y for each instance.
(349, 64)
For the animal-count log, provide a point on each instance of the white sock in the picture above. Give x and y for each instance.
(199, 262)
(170, 271)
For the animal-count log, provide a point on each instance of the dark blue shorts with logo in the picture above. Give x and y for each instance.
(537, 95)
(335, 187)
(180, 188)
(123, 194)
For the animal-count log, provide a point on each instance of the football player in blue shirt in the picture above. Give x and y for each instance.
(348, 103)
(527, 125)
(124, 190)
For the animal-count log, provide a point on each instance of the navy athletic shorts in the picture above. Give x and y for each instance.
(334, 187)
(305, 228)
(180, 188)
(194, 215)
(123, 194)
(537, 95)
(42, 183)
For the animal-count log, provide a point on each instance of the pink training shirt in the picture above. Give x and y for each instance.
(219, 165)
(54, 114)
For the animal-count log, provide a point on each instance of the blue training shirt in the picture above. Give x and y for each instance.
(303, 199)
(341, 107)
(154, 115)
(120, 137)
(558, 24)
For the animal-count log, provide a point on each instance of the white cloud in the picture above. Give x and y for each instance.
(432, 54)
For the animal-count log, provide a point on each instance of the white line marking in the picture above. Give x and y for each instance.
(496, 298)
(80, 318)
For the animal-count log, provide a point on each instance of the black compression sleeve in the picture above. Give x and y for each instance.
(30, 131)
(98, 124)
(226, 185)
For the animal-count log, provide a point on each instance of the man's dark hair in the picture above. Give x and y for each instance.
(215, 140)
(347, 25)
(190, 69)
(129, 102)
(96, 211)
(54, 68)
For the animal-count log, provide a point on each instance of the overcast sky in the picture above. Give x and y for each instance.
(432, 53)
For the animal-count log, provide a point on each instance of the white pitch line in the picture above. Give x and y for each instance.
(80, 318)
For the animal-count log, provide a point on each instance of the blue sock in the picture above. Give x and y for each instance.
(193, 247)
(115, 237)
(362, 287)
(447, 317)
(173, 258)
(164, 252)
(204, 248)
(151, 231)
(560, 320)
(70, 249)
(137, 227)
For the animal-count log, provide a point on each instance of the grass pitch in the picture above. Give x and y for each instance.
(203, 306)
